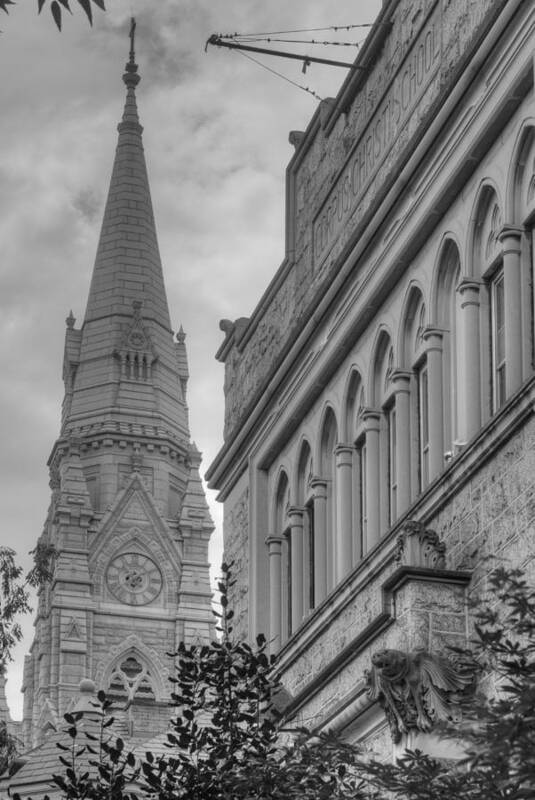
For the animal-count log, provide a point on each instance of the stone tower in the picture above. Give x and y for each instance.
(128, 514)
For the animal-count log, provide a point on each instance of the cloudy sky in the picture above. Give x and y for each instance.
(216, 141)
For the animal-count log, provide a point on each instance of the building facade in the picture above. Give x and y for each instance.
(379, 429)
(128, 515)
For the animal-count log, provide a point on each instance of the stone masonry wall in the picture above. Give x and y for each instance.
(491, 516)
(236, 527)
(346, 171)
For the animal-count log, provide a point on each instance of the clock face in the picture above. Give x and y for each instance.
(134, 579)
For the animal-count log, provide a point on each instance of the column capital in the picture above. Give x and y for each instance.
(433, 337)
(343, 447)
(318, 486)
(295, 511)
(370, 417)
(468, 288)
(400, 378)
(513, 232)
(468, 283)
(343, 455)
(274, 542)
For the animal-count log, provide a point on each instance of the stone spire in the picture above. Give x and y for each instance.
(126, 335)
(127, 516)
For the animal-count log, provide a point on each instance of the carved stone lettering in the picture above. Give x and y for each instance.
(379, 136)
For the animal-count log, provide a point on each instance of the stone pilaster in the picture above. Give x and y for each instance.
(371, 420)
(274, 544)
(343, 455)
(511, 238)
(469, 354)
(319, 489)
(295, 515)
(435, 400)
(401, 381)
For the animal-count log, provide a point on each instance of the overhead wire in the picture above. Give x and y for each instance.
(296, 41)
(298, 30)
(266, 37)
(280, 75)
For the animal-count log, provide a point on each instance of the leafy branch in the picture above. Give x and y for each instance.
(58, 6)
(15, 594)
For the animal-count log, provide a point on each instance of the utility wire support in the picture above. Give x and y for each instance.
(216, 40)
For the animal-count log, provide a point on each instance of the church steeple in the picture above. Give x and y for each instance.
(128, 515)
(126, 334)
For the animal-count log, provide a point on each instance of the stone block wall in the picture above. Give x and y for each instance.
(236, 527)
(490, 520)
(344, 167)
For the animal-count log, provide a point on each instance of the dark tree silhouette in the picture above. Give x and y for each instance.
(57, 7)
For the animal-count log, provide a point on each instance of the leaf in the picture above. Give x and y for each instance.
(56, 13)
(86, 5)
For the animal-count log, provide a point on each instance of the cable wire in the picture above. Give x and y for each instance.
(279, 75)
(297, 30)
(294, 41)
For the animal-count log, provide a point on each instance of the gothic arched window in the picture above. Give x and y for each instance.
(131, 682)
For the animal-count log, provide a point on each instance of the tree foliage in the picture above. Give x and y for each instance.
(15, 592)
(227, 741)
(57, 7)
(500, 738)
(14, 602)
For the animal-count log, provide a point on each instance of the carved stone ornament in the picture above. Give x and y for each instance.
(419, 546)
(418, 689)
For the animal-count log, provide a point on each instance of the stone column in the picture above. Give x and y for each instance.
(469, 353)
(435, 400)
(319, 488)
(401, 381)
(274, 544)
(343, 454)
(295, 515)
(371, 420)
(511, 239)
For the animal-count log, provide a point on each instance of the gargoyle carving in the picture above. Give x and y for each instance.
(419, 546)
(418, 689)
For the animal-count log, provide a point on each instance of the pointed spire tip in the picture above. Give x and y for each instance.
(130, 77)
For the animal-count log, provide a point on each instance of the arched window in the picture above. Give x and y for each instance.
(384, 401)
(282, 531)
(414, 362)
(487, 256)
(328, 441)
(305, 501)
(355, 436)
(447, 322)
(130, 682)
(522, 201)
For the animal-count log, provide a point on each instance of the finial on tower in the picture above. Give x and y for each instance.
(130, 77)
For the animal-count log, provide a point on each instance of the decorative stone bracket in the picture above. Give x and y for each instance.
(419, 546)
(422, 609)
(418, 689)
